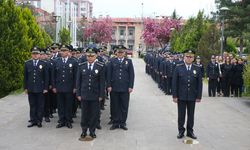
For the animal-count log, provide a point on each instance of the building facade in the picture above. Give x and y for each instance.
(127, 32)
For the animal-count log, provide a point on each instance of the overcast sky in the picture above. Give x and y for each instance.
(151, 8)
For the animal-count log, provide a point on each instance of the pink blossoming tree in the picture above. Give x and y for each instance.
(157, 31)
(99, 31)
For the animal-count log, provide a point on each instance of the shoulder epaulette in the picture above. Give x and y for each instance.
(195, 65)
(28, 60)
(82, 63)
(100, 63)
(180, 64)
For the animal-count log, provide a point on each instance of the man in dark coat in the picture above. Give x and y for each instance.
(63, 83)
(120, 83)
(212, 76)
(35, 85)
(90, 86)
(187, 90)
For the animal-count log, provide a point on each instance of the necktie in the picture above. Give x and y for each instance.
(64, 60)
(188, 67)
(120, 60)
(90, 66)
(35, 63)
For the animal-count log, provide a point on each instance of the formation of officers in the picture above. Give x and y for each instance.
(177, 75)
(224, 73)
(63, 79)
(170, 71)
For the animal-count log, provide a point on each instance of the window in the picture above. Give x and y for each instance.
(122, 32)
(131, 32)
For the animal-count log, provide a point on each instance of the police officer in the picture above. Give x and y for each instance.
(169, 71)
(199, 64)
(187, 90)
(35, 85)
(47, 112)
(120, 82)
(63, 82)
(90, 90)
(212, 76)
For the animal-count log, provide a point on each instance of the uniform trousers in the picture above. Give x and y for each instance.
(120, 104)
(183, 107)
(64, 104)
(36, 102)
(90, 114)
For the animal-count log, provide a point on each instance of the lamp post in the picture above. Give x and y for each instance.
(223, 10)
(57, 18)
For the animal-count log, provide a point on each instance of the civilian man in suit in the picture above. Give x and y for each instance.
(187, 90)
(35, 85)
(90, 86)
(120, 83)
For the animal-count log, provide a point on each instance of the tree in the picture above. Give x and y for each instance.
(99, 31)
(190, 34)
(209, 43)
(237, 21)
(35, 32)
(157, 32)
(64, 35)
(14, 47)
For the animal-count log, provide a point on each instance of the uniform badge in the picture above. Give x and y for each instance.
(40, 66)
(96, 71)
(126, 62)
(83, 70)
(70, 65)
(194, 71)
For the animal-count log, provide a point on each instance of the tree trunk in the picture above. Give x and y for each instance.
(241, 45)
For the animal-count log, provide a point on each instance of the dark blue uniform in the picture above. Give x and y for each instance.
(169, 71)
(64, 80)
(90, 87)
(187, 87)
(120, 77)
(35, 82)
(213, 75)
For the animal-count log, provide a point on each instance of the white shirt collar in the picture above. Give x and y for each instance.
(188, 65)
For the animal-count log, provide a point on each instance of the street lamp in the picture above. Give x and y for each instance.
(223, 10)
(57, 19)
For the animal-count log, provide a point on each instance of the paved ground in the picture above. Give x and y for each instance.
(220, 123)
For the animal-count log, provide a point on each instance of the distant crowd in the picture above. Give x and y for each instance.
(224, 73)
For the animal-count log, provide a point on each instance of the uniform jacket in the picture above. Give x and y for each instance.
(169, 68)
(120, 76)
(64, 75)
(90, 84)
(212, 70)
(36, 78)
(187, 85)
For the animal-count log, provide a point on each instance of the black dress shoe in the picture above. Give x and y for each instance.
(60, 125)
(39, 125)
(191, 135)
(98, 127)
(123, 127)
(113, 127)
(93, 135)
(51, 116)
(69, 125)
(83, 135)
(47, 119)
(31, 125)
(110, 122)
(180, 135)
